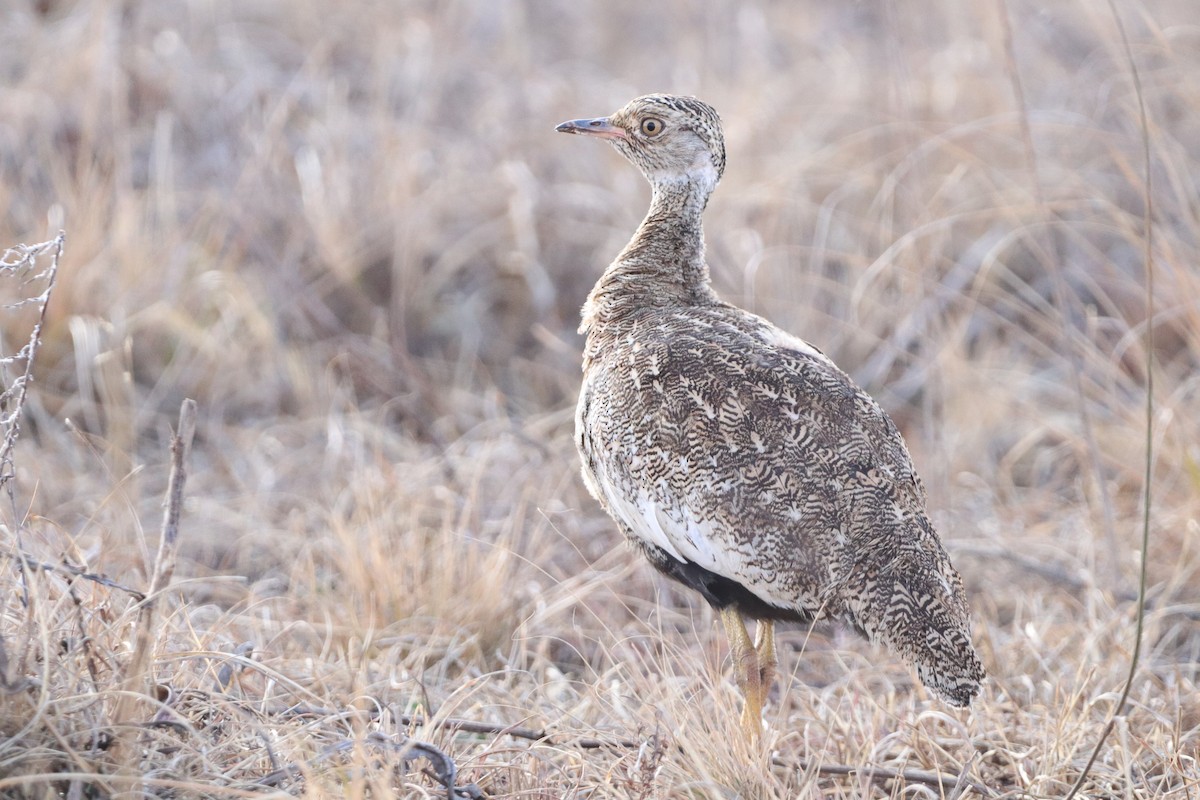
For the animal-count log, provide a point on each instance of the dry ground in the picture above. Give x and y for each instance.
(350, 233)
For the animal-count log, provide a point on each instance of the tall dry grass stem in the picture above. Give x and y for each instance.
(1148, 458)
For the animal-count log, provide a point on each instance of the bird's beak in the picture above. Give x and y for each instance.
(600, 127)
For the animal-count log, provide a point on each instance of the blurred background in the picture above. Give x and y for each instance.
(349, 231)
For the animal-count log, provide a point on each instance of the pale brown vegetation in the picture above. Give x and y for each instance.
(351, 234)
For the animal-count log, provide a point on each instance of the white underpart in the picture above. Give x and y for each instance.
(674, 531)
(695, 543)
(634, 514)
(677, 532)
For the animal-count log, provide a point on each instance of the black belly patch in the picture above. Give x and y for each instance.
(719, 591)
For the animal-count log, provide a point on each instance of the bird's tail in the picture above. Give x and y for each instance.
(949, 666)
(919, 611)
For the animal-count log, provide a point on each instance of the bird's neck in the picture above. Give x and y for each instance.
(663, 265)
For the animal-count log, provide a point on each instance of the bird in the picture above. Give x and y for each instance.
(738, 457)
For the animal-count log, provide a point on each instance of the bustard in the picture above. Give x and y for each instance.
(739, 458)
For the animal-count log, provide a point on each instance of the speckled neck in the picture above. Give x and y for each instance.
(663, 265)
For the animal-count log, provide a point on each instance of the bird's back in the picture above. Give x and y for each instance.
(729, 447)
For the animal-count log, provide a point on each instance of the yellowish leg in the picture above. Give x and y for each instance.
(746, 671)
(764, 645)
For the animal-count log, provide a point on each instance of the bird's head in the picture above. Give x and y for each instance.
(672, 139)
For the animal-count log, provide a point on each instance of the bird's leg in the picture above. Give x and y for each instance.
(745, 670)
(764, 645)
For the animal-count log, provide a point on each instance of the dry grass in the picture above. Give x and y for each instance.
(349, 232)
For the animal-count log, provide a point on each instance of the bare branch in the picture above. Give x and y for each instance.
(21, 261)
(937, 780)
(944, 782)
(445, 771)
(164, 566)
(181, 445)
(73, 571)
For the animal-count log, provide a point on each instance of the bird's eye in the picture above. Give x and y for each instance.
(652, 126)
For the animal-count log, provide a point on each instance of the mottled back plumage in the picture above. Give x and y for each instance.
(739, 458)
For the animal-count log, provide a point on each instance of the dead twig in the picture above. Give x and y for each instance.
(64, 568)
(164, 565)
(181, 445)
(936, 780)
(519, 732)
(445, 771)
(940, 781)
(21, 260)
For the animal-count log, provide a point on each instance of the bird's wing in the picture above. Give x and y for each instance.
(720, 441)
(730, 444)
